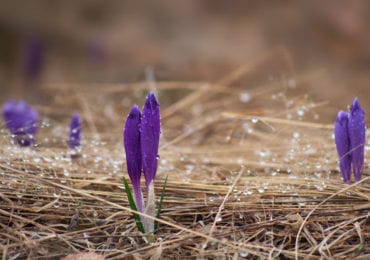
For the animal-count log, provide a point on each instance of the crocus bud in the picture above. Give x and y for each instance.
(21, 120)
(75, 133)
(343, 145)
(150, 130)
(357, 136)
(131, 137)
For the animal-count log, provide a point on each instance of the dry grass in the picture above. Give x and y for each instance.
(252, 173)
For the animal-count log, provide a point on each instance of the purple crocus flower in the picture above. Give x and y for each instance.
(132, 145)
(343, 145)
(150, 131)
(141, 140)
(33, 58)
(75, 132)
(21, 120)
(357, 136)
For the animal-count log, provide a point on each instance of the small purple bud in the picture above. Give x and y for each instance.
(21, 120)
(343, 145)
(357, 136)
(150, 131)
(75, 132)
(131, 137)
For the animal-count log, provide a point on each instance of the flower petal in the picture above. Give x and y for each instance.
(357, 136)
(343, 145)
(132, 145)
(150, 132)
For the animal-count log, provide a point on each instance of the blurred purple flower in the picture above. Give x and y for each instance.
(343, 145)
(75, 132)
(21, 120)
(33, 57)
(357, 136)
(133, 152)
(150, 131)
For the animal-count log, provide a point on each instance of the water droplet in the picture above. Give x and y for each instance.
(189, 168)
(45, 123)
(247, 192)
(247, 128)
(254, 119)
(211, 199)
(243, 254)
(300, 112)
(66, 172)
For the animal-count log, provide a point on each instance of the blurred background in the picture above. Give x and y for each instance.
(89, 41)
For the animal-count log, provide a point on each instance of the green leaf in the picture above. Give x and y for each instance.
(360, 247)
(132, 204)
(163, 194)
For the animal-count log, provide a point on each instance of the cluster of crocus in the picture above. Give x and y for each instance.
(350, 135)
(22, 121)
(74, 142)
(141, 140)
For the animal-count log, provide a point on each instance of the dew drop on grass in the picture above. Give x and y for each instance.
(254, 120)
(189, 168)
(45, 123)
(57, 204)
(247, 128)
(211, 199)
(300, 112)
(243, 254)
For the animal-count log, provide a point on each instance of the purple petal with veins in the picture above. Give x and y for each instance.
(150, 131)
(357, 136)
(131, 137)
(343, 145)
